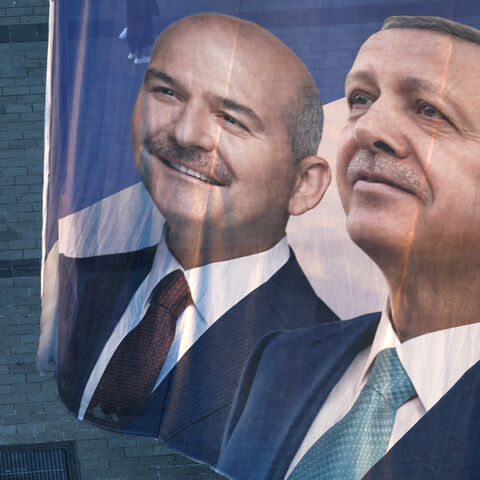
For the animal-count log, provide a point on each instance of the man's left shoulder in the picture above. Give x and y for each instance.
(294, 300)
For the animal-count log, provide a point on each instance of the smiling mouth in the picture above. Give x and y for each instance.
(190, 172)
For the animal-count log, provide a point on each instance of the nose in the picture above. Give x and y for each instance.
(382, 128)
(193, 126)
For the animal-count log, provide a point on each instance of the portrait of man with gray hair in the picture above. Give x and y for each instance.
(394, 394)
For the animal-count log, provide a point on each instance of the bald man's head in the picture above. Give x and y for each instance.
(225, 131)
(303, 115)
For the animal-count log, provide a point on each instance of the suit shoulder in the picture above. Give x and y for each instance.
(117, 262)
(309, 337)
(295, 355)
(293, 299)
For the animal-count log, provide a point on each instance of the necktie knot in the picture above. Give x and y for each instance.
(389, 379)
(172, 293)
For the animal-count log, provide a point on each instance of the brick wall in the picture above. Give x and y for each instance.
(30, 411)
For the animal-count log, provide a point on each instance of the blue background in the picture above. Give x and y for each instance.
(94, 85)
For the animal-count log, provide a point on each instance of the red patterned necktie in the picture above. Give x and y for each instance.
(135, 365)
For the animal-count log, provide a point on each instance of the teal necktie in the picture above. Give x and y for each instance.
(352, 446)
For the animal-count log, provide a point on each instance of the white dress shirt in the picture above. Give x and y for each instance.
(215, 288)
(434, 362)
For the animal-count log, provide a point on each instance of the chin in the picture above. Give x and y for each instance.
(382, 242)
(178, 207)
(186, 218)
(201, 219)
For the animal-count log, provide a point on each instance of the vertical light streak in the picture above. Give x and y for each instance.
(411, 235)
(46, 137)
(78, 84)
(228, 81)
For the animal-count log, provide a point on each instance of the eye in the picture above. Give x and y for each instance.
(164, 91)
(229, 119)
(430, 111)
(232, 121)
(359, 98)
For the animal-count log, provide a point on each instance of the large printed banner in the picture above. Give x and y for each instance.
(199, 269)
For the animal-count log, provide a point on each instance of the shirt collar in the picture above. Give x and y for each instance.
(163, 264)
(218, 286)
(434, 361)
(385, 337)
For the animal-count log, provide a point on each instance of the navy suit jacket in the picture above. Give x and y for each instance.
(286, 382)
(190, 407)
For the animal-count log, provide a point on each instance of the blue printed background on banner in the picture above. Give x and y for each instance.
(94, 85)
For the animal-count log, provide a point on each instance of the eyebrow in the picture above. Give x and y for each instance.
(406, 83)
(360, 75)
(159, 75)
(414, 83)
(234, 106)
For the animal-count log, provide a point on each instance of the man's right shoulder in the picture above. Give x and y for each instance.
(117, 262)
(354, 331)
(298, 354)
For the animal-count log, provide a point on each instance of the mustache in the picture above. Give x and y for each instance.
(193, 158)
(369, 165)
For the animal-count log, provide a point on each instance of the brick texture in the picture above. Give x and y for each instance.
(30, 411)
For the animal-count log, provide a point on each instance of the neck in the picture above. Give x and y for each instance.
(432, 295)
(194, 248)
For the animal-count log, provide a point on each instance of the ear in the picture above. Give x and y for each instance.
(313, 178)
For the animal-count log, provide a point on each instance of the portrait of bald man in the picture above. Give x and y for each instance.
(395, 394)
(225, 132)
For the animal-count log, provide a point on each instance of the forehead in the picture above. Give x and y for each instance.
(436, 61)
(202, 48)
(223, 60)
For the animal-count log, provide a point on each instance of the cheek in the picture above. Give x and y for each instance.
(252, 163)
(139, 127)
(456, 205)
(276, 178)
(346, 149)
(149, 119)
(144, 169)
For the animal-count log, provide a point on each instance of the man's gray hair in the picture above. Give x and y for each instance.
(304, 122)
(436, 24)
